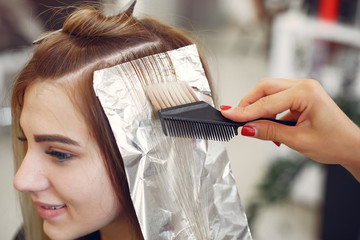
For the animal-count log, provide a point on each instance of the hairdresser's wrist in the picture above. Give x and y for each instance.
(352, 164)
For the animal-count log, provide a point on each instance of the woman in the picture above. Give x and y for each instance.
(67, 158)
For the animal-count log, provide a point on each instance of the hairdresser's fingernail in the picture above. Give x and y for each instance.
(225, 107)
(277, 143)
(248, 131)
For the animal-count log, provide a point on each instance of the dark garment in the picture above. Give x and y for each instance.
(20, 235)
(92, 236)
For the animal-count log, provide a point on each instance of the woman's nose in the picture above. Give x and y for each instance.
(31, 176)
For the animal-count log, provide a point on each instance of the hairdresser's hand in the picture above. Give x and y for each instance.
(323, 132)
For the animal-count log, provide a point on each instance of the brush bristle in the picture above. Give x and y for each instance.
(198, 130)
(170, 94)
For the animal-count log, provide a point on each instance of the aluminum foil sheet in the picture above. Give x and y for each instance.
(181, 188)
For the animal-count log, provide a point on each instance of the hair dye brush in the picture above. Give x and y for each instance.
(183, 115)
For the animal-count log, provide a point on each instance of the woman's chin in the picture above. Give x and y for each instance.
(59, 233)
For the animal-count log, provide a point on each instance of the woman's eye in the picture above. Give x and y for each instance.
(59, 155)
(22, 139)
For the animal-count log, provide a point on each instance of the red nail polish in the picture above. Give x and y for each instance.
(277, 143)
(225, 107)
(248, 131)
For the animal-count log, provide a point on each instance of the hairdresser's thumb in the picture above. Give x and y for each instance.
(267, 130)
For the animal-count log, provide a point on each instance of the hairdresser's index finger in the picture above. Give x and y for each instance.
(267, 106)
(266, 87)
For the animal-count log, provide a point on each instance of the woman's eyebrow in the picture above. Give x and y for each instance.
(55, 138)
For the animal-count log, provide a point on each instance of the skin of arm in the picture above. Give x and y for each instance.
(323, 131)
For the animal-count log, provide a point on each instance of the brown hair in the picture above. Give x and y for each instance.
(90, 41)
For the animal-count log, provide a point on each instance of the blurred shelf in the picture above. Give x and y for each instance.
(292, 27)
(298, 23)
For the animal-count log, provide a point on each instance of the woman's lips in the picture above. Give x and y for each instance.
(48, 211)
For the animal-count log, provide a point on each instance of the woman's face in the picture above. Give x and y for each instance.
(63, 169)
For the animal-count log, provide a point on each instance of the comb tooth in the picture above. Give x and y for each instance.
(214, 130)
(186, 129)
(228, 133)
(199, 127)
(191, 129)
(235, 128)
(179, 128)
(185, 132)
(211, 132)
(195, 130)
(183, 129)
(175, 128)
(169, 128)
(221, 130)
(224, 133)
(165, 127)
(218, 132)
(203, 131)
(232, 131)
(206, 131)
(198, 133)
(207, 128)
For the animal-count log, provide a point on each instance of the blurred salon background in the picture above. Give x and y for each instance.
(285, 195)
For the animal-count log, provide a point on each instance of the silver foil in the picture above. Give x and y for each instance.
(181, 188)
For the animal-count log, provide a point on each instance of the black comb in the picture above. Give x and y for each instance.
(200, 120)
